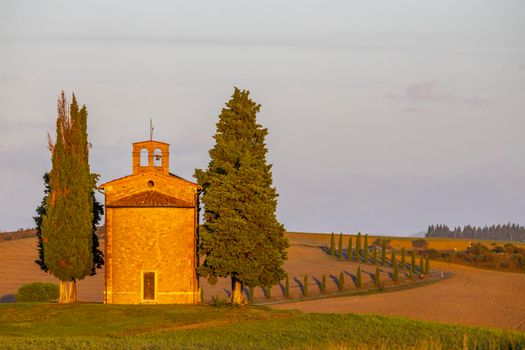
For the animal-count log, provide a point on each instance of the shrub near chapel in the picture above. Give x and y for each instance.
(37, 291)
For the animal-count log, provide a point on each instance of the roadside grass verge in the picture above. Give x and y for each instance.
(97, 326)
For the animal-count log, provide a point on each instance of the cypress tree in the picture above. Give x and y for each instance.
(358, 277)
(377, 279)
(340, 247)
(395, 275)
(427, 265)
(403, 262)
(67, 226)
(305, 285)
(350, 254)
(383, 251)
(98, 211)
(413, 261)
(358, 246)
(323, 284)
(374, 252)
(241, 237)
(287, 287)
(332, 244)
(366, 248)
(341, 281)
(393, 259)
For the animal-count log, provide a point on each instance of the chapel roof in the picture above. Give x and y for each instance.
(150, 199)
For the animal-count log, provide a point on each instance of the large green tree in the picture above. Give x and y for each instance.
(241, 237)
(98, 211)
(67, 225)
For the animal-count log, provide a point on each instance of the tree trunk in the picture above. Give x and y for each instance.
(73, 291)
(237, 296)
(68, 292)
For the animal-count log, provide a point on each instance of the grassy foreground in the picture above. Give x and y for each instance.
(96, 326)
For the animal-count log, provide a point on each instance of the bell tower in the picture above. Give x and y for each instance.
(151, 156)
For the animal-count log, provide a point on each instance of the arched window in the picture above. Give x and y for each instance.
(144, 157)
(157, 157)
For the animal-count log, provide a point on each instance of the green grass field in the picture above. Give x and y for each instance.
(96, 326)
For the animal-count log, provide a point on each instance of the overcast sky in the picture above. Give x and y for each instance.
(384, 116)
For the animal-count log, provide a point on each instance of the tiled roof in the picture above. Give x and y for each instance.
(150, 199)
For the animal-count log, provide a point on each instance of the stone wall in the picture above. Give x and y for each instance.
(151, 239)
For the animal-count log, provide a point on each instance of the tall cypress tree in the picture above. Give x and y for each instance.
(67, 226)
(340, 247)
(241, 237)
(403, 262)
(350, 253)
(358, 246)
(383, 252)
(331, 251)
(366, 249)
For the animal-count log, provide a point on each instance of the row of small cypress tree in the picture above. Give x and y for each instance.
(322, 286)
(412, 268)
(424, 266)
(362, 254)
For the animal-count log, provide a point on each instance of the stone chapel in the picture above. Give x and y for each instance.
(151, 232)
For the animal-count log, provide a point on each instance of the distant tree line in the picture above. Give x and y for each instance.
(507, 232)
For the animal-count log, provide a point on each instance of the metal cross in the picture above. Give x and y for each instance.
(150, 129)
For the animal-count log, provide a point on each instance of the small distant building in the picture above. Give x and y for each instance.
(151, 232)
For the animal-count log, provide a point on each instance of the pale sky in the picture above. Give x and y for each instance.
(384, 116)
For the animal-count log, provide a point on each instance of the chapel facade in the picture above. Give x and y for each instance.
(151, 232)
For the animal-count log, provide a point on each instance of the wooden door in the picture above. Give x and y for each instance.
(149, 286)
